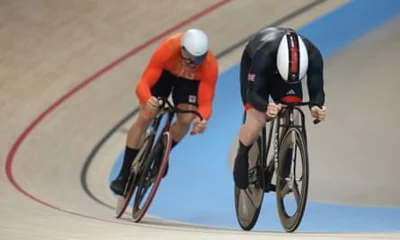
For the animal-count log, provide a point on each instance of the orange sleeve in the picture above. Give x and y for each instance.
(207, 90)
(152, 72)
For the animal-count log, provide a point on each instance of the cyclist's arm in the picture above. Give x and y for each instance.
(206, 91)
(257, 90)
(315, 79)
(152, 73)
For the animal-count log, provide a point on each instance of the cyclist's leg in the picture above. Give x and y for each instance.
(248, 134)
(249, 131)
(288, 93)
(136, 132)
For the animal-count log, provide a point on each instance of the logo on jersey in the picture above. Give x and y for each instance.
(291, 92)
(251, 77)
(192, 99)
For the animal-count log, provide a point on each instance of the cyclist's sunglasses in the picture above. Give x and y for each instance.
(190, 59)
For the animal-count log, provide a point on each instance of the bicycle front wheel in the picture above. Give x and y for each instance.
(292, 146)
(151, 175)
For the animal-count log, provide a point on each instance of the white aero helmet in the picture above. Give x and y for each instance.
(194, 45)
(292, 58)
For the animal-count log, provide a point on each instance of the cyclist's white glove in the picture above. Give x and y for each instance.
(318, 113)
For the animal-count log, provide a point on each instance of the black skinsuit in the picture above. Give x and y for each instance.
(259, 79)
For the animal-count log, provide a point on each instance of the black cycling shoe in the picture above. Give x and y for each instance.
(118, 185)
(241, 172)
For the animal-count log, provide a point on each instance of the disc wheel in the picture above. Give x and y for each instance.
(288, 184)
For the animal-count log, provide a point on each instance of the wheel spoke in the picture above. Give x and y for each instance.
(295, 180)
(286, 189)
(148, 181)
(294, 162)
(296, 193)
(142, 193)
(248, 194)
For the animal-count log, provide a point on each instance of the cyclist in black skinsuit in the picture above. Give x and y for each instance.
(274, 62)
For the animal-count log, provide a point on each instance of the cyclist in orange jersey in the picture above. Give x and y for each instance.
(184, 66)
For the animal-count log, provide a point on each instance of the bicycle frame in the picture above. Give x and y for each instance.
(170, 110)
(157, 119)
(286, 113)
(290, 121)
(290, 108)
(147, 179)
(272, 166)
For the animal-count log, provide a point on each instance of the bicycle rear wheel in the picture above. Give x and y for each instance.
(123, 201)
(151, 174)
(290, 184)
(248, 201)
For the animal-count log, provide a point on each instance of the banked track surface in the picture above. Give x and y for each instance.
(48, 161)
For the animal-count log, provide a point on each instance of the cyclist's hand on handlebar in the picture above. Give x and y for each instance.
(198, 126)
(153, 103)
(273, 110)
(318, 113)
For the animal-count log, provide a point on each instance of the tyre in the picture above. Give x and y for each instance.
(289, 184)
(123, 201)
(248, 201)
(151, 174)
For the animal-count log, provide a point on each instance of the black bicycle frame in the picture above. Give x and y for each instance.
(289, 112)
(171, 110)
(289, 120)
(290, 108)
(157, 120)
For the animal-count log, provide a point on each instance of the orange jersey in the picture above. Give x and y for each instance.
(167, 57)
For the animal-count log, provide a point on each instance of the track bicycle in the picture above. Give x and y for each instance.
(282, 165)
(150, 164)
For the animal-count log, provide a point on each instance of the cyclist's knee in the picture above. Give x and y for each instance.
(184, 120)
(255, 119)
(254, 122)
(187, 118)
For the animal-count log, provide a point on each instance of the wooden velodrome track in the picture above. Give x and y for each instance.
(67, 73)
